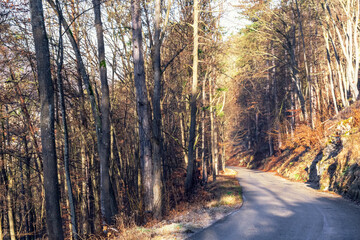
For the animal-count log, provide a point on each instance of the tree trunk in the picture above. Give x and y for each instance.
(223, 152)
(189, 182)
(157, 139)
(94, 107)
(83, 205)
(203, 160)
(306, 65)
(10, 183)
(331, 75)
(82, 70)
(94, 199)
(24, 191)
(10, 209)
(183, 138)
(294, 73)
(275, 96)
(29, 207)
(2, 174)
(142, 108)
(292, 107)
(347, 35)
(106, 199)
(53, 218)
(268, 110)
(60, 60)
(212, 132)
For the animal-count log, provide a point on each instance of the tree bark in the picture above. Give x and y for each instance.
(331, 75)
(312, 124)
(9, 182)
(106, 199)
(223, 152)
(10, 209)
(84, 185)
(182, 123)
(157, 147)
(59, 60)
(94, 197)
(213, 133)
(189, 182)
(53, 217)
(203, 160)
(142, 108)
(30, 218)
(268, 109)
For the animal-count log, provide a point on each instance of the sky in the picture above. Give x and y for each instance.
(231, 20)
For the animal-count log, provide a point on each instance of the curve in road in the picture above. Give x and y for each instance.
(275, 208)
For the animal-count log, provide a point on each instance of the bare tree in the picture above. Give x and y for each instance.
(59, 63)
(106, 199)
(157, 140)
(189, 182)
(142, 107)
(53, 217)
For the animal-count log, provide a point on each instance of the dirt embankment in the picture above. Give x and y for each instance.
(327, 158)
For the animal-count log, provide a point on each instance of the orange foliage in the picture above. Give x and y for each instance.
(356, 117)
(304, 137)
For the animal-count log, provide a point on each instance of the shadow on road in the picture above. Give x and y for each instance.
(285, 210)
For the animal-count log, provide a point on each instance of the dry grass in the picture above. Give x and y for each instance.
(209, 204)
(226, 191)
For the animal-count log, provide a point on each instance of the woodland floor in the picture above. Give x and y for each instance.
(213, 202)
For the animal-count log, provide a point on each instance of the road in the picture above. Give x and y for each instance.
(275, 208)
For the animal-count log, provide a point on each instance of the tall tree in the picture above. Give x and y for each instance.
(306, 63)
(189, 182)
(157, 140)
(142, 104)
(106, 198)
(10, 182)
(53, 217)
(59, 63)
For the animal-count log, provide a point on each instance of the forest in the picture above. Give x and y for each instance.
(117, 111)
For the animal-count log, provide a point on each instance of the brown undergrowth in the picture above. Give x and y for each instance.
(207, 205)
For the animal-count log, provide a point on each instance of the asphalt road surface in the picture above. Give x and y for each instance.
(275, 208)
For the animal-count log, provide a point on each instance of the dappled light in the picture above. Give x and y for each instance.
(276, 209)
(123, 119)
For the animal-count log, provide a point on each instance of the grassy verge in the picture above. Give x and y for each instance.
(209, 204)
(226, 190)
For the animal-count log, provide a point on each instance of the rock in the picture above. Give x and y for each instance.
(344, 126)
(333, 148)
(314, 176)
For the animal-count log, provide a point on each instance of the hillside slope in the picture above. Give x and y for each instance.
(327, 158)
